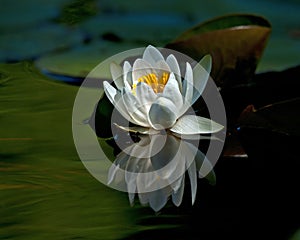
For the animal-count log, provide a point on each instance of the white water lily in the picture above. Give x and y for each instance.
(157, 173)
(152, 95)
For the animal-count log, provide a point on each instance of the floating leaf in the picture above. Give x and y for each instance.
(154, 28)
(29, 44)
(236, 43)
(79, 62)
(19, 15)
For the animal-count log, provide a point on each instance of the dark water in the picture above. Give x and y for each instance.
(45, 191)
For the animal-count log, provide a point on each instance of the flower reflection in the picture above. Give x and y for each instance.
(154, 169)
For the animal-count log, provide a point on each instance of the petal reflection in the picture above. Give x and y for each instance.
(154, 168)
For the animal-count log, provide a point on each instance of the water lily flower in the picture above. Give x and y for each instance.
(157, 173)
(152, 95)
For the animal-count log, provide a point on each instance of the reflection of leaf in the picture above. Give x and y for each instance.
(236, 43)
(102, 117)
(266, 88)
(270, 137)
(282, 118)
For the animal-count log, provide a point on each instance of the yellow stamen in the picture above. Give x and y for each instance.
(165, 78)
(152, 80)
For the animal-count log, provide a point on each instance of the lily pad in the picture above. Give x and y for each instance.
(236, 43)
(151, 28)
(29, 44)
(79, 62)
(17, 15)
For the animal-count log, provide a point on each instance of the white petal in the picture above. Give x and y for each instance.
(191, 124)
(177, 183)
(187, 89)
(159, 198)
(193, 180)
(140, 68)
(174, 67)
(112, 173)
(119, 105)
(122, 158)
(146, 176)
(149, 181)
(131, 198)
(144, 197)
(161, 67)
(172, 92)
(168, 161)
(178, 194)
(131, 172)
(131, 181)
(116, 176)
(115, 98)
(152, 55)
(126, 105)
(134, 174)
(203, 165)
(127, 86)
(141, 152)
(201, 75)
(116, 73)
(136, 112)
(145, 95)
(127, 75)
(197, 137)
(188, 94)
(162, 114)
(110, 91)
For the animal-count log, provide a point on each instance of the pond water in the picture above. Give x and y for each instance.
(46, 192)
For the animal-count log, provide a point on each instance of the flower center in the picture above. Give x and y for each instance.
(152, 80)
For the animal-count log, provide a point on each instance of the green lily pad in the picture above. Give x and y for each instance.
(29, 44)
(79, 62)
(153, 28)
(236, 43)
(17, 15)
